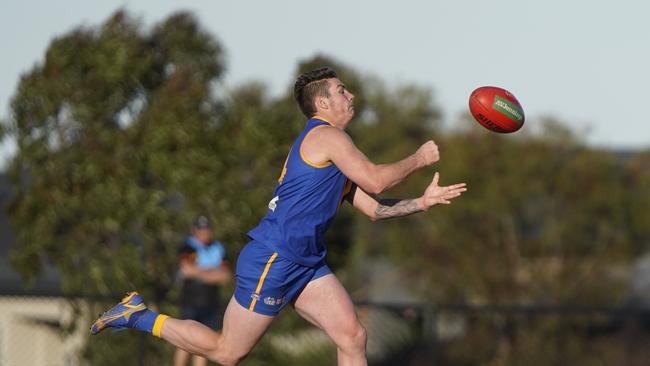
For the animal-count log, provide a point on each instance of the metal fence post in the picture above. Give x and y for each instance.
(429, 332)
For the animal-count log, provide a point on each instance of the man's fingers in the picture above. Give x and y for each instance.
(456, 188)
(449, 196)
(444, 195)
(436, 177)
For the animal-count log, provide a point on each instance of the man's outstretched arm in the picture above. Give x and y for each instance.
(378, 209)
(332, 144)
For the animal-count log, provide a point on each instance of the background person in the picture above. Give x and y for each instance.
(203, 267)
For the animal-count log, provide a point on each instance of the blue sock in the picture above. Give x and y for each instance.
(147, 321)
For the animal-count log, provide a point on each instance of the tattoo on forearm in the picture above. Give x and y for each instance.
(388, 208)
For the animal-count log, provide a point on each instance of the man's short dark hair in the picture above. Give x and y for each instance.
(310, 85)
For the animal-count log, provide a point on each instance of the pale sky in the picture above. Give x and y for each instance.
(583, 62)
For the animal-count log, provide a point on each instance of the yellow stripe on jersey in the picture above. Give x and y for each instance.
(284, 169)
(303, 156)
(323, 119)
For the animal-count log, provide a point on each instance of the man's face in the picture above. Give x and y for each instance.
(341, 102)
(203, 235)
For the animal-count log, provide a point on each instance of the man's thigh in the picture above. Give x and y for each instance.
(242, 328)
(325, 303)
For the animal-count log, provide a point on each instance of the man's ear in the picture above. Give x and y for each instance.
(322, 103)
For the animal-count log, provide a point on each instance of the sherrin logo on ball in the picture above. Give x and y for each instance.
(496, 109)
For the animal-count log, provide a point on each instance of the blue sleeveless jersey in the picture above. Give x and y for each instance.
(303, 205)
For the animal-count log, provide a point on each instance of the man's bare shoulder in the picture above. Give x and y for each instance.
(330, 135)
(325, 144)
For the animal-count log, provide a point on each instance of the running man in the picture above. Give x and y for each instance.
(285, 260)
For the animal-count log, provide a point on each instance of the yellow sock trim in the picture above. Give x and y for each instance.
(158, 324)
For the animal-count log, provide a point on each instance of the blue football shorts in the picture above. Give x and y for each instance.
(267, 282)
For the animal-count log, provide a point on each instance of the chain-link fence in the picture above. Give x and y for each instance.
(53, 331)
(38, 331)
(516, 335)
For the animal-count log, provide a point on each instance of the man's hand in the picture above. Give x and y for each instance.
(189, 269)
(435, 194)
(428, 153)
(222, 274)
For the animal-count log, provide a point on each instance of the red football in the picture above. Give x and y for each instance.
(496, 109)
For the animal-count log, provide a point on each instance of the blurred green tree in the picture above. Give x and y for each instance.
(113, 129)
(121, 140)
(546, 220)
(638, 179)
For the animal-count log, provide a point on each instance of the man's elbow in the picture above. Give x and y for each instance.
(371, 213)
(375, 187)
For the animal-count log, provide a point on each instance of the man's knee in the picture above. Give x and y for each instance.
(355, 339)
(226, 357)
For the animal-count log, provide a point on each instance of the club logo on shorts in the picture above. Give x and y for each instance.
(255, 296)
(271, 301)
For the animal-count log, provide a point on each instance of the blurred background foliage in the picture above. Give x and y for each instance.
(124, 133)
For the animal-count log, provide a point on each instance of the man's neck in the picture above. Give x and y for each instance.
(326, 118)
